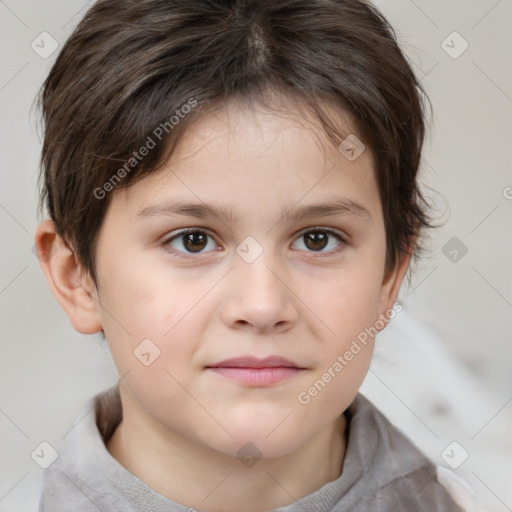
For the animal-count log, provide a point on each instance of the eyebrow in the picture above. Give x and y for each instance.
(204, 210)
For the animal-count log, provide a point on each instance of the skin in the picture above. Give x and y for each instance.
(183, 424)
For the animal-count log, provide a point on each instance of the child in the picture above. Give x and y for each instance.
(283, 139)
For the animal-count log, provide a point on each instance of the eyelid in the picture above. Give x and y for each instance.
(333, 231)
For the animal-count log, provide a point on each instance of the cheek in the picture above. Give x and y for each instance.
(346, 306)
(154, 326)
(139, 299)
(350, 310)
(153, 351)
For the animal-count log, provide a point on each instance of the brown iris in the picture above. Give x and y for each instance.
(195, 241)
(316, 240)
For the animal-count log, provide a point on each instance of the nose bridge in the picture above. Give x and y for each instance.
(260, 296)
(257, 265)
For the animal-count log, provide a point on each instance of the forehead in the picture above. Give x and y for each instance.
(251, 128)
(243, 155)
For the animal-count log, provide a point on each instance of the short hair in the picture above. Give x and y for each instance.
(130, 66)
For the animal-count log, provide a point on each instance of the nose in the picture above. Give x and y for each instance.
(260, 299)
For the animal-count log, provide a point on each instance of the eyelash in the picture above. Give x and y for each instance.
(187, 231)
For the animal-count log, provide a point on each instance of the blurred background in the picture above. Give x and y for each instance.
(442, 368)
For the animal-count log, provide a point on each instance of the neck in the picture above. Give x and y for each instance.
(199, 477)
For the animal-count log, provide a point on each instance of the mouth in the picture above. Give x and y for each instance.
(257, 372)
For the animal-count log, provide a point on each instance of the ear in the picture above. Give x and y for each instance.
(67, 279)
(391, 286)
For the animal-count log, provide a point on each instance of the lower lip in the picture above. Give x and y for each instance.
(257, 376)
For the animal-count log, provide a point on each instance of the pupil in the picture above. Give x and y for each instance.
(193, 239)
(316, 240)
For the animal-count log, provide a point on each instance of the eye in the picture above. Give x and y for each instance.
(317, 239)
(192, 240)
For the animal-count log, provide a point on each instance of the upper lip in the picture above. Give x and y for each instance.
(254, 362)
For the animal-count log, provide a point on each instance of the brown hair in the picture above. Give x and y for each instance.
(131, 66)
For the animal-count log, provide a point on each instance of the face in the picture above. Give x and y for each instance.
(242, 328)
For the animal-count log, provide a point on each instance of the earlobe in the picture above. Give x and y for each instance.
(67, 280)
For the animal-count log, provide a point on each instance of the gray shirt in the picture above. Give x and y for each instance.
(382, 471)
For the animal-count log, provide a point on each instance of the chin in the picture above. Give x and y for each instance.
(265, 440)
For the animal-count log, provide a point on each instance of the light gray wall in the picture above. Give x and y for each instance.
(450, 349)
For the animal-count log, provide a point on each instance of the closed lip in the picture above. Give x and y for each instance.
(254, 362)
